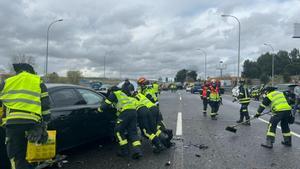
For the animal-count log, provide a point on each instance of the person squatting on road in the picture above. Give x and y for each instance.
(25, 103)
(244, 100)
(126, 124)
(281, 112)
(148, 91)
(203, 95)
(214, 99)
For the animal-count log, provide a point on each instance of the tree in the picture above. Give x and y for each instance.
(295, 55)
(264, 78)
(191, 75)
(250, 69)
(53, 78)
(74, 76)
(181, 75)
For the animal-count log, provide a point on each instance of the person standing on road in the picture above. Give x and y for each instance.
(25, 103)
(155, 87)
(203, 95)
(214, 99)
(244, 100)
(281, 112)
(126, 121)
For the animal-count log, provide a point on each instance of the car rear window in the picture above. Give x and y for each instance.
(90, 97)
(65, 97)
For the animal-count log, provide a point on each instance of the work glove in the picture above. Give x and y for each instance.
(100, 110)
(38, 134)
(257, 115)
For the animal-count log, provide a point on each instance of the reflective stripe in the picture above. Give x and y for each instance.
(152, 136)
(44, 94)
(20, 115)
(158, 133)
(22, 100)
(287, 134)
(13, 163)
(212, 114)
(136, 143)
(45, 112)
(121, 141)
(22, 92)
(262, 105)
(107, 101)
(269, 133)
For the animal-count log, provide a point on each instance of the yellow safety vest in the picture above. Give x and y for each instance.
(124, 102)
(155, 87)
(22, 92)
(151, 92)
(278, 101)
(214, 96)
(144, 101)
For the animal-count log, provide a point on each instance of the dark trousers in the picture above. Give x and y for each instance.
(283, 118)
(146, 122)
(158, 118)
(205, 102)
(214, 107)
(127, 122)
(17, 145)
(244, 112)
(4, 161)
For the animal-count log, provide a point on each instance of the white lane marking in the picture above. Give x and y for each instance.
(293, 133)
(180, 98)
(179, 124)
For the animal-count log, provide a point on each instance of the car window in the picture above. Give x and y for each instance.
(90, 97)
(65, 97)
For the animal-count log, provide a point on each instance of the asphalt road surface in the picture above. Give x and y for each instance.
(200, 142)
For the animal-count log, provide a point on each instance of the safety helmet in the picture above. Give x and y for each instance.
(213, 81)
(20, 67)
(141, 81)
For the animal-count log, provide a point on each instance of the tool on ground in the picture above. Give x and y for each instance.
(233, 128)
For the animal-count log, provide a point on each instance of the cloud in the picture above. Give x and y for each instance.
(137, 38)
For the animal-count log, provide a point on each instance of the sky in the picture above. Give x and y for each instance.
(143, 38)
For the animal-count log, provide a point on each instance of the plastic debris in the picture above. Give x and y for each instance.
(168, 163)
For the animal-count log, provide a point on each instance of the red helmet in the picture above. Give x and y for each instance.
(141, 81)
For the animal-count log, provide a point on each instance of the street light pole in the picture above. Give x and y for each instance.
(239, 43)
(273, 61)
(48, 30)
(205, 55)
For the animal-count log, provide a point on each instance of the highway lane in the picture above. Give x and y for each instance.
(201, 143)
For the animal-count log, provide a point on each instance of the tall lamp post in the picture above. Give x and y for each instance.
(273, 61)
(205, 55)
(239, 42)
(48, 30)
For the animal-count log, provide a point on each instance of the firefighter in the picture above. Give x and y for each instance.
(147, 121)
(142, 82)
(203, 95)
(214, 99)
(25, 113)
(281, 112)
(126, 121)
(244, 100)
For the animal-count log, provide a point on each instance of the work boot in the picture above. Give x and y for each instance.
(214, 117)
(247, 121)
(164, 139)
(169, 132)
(158, 147)
(287, 141)
(136, 152)
(123, 151)
(269, 143)
(239, 121)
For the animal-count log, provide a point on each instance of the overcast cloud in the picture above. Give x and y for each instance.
(144, 38)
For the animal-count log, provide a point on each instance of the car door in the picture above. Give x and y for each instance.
(98, 124)
(66, 115)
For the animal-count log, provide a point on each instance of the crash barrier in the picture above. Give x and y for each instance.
(42, 152)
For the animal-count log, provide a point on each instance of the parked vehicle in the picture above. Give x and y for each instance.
(196, 88)
(188, 88)
(104, 89)
(75, 117)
